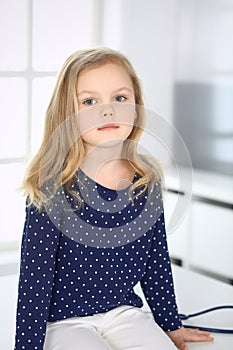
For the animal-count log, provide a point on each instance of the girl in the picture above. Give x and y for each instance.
(94, 223)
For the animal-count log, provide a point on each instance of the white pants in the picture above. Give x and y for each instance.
(123, 328)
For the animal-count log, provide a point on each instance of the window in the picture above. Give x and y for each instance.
(36, 37)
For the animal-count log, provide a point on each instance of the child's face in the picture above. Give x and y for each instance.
(106, 105)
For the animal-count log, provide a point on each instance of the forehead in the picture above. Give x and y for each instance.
(106, 75)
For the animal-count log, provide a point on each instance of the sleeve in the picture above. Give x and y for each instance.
(38, 258)
(157, 282)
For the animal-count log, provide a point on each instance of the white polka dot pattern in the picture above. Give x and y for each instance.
(61, 277)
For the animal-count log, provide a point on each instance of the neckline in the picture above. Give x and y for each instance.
(88, 178)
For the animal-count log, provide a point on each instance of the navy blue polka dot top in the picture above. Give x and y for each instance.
(83, 261)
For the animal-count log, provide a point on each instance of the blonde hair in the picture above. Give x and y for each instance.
(62, 151)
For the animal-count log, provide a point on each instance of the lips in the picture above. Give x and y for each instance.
(107, 127)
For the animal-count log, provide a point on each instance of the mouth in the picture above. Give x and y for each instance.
(107, 127)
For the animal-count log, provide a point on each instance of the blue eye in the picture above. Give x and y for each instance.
(89, 101)
(120, 98)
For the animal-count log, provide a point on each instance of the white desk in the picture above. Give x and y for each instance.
(194, 293)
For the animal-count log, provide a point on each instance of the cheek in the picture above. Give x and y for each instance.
(89, 138)
(126, 131)
(125, 113)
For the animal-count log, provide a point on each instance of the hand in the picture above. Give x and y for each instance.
(182, 335)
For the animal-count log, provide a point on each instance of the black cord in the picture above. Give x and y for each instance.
(209, 329)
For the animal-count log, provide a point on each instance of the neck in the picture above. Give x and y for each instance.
(100, 158)
(107, 167)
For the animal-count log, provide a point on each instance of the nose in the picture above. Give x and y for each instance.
(108, 111)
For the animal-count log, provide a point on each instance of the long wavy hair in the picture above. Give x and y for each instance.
(62, 151)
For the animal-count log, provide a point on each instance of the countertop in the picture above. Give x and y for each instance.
(203, 184)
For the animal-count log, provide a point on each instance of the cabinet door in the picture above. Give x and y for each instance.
(177, 224)
(212, 239)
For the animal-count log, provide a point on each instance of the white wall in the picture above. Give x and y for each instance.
(145, 32)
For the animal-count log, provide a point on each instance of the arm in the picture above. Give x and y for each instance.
(157, 282)
(157, 285)
(38, 256)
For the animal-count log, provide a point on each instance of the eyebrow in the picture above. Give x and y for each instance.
(95, 92)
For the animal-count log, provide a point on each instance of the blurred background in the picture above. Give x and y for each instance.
(182, 51)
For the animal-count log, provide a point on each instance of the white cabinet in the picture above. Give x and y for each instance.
(212, 238)
(204, 239)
